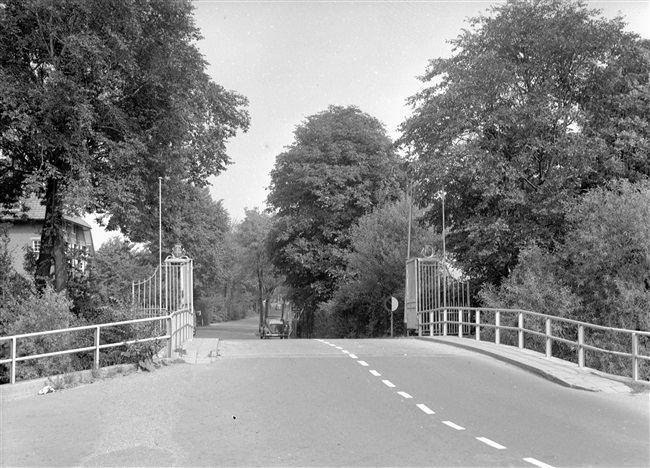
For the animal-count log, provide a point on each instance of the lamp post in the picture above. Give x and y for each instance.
(441, 195)
(159, 245)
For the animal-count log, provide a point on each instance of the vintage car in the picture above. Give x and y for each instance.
(274, 327)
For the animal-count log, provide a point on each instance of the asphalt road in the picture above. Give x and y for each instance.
(236, 330)
(309, 403)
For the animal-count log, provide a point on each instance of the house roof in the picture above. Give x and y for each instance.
(32, 208)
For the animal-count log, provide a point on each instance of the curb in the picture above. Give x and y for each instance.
(27, 388)
(515, 362)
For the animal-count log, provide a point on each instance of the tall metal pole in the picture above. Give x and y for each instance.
(410, 200)
(444, 253)
(159, 245)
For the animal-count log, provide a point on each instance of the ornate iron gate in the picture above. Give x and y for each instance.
(169, 289)
(430, 286)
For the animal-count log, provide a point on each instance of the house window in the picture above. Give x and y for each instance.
(36, 246)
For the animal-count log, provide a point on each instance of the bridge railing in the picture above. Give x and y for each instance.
(503, 319)
(179, 327)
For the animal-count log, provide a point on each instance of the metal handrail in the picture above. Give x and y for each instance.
(179, 328)
(521, 331)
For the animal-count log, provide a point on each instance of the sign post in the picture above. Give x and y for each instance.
(391, 304)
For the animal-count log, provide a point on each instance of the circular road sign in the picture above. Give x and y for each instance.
(391, 304)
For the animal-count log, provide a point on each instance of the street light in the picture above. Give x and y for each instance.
(441, 195)
(159, 245)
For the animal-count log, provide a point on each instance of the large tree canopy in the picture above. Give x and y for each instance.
(99, 98)
(540, 101)
(337, 170)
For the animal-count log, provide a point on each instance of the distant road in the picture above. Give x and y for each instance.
(236, 330)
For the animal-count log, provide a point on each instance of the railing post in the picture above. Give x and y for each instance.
(170, 333)
(13, 361)
(478, 325)
(419, 317)
(444, 322)
(520, 331)
(430, 323)
(635, 354)
(581, 342)
(96, 360)
(460, 323)
(549, 341)
(497, 331)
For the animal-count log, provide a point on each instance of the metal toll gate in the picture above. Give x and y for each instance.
(430, 288)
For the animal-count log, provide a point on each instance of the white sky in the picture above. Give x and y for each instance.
(292, 59)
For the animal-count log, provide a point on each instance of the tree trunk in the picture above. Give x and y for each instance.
(51, 259)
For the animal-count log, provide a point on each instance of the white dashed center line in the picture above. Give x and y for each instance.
(532, 461)
(491, 443)
(425, 408)
(453, 425)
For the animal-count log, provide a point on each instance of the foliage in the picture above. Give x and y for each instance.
(541, 101)
(337, 170)
(35, 313)
(599, 275)
(100, 98)
(374, 271)
(117, 263)
(607, 255)
(251, 235)
(199, 224)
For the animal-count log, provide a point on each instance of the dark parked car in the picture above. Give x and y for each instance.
(274, 326)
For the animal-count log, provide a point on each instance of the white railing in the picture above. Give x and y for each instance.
(179, 328)
(427, 322)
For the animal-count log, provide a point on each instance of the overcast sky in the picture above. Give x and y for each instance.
(293, 59)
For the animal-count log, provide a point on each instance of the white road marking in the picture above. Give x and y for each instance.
(453, 425)
(425, 408)
(375, 373)
(353, 356)
(338, 347)
(491, 443)
(363, 363)
(537, 463)
(332, 344)
(344, 351)
(404, 394)
(325, 342)
(388, 383)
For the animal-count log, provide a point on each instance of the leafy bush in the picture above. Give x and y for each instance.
(600, 274)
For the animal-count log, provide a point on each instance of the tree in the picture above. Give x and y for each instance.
(117, 263)
(97, 100)
(606, 254)
(337, 170)
(194, 220)
(252, 234)
(541, 101)
(600, 274)
(374, 270)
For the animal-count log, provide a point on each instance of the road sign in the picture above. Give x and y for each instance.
(391, 304)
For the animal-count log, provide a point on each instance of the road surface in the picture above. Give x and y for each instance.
(236, 330)
(395, 402)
